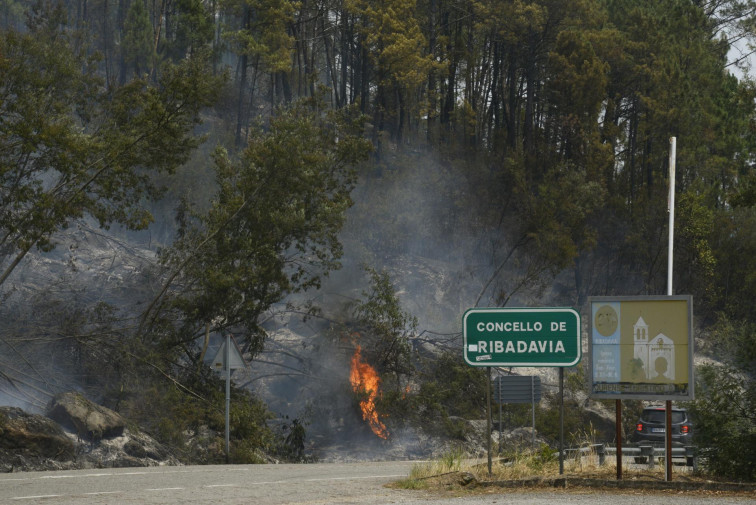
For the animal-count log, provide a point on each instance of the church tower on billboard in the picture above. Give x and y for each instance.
(657, 354)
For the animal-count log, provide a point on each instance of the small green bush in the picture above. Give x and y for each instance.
(171, 414)
(724, 417)
(544, 456)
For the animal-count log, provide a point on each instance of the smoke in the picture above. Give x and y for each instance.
(420, 219)
(440, 230)
(56, 315)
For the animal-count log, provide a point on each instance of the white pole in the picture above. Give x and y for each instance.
(672, 155)
(668, 405)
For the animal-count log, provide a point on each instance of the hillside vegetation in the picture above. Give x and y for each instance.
(174, 170)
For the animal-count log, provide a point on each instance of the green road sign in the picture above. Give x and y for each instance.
(538, 337)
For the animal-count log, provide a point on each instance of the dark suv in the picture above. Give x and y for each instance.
(651, 427)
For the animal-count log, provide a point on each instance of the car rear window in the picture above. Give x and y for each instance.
(658, 416)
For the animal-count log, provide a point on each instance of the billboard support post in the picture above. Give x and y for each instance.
(672, 157)
(618, 423)
(672, 162)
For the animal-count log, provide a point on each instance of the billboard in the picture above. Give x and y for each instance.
(641, 347)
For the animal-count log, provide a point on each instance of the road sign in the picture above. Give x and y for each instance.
(517, 389)
(234, 357)
(537, 337)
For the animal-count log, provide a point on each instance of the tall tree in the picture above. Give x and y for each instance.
(273, 226)
(137, 46)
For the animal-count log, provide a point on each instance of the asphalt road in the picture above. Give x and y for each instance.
(358, 483)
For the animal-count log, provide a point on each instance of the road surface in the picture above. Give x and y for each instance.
(315, 484)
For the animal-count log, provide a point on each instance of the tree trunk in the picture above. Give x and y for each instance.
(512, 98)
(531, 74)
(240, 116)
(329, 63)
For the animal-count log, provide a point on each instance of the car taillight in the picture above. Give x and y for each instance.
(685, 430)
(639, 427)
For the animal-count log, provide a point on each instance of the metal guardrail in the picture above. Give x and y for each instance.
(642, 454)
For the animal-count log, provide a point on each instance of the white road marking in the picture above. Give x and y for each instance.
(355, 478)
(75, 476)
(113, 474)
(37, 497)
(322, 479)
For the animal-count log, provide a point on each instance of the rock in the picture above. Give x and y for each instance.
(132, 449)
(33, 436)
(466, 478)
(518, 439)
(87, 419)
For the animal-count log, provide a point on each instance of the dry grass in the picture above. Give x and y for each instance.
(543, 464)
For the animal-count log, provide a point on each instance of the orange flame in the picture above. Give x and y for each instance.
(365, 379)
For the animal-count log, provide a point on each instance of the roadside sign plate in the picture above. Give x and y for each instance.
(235, 358)
(517, 389)
(532, 337)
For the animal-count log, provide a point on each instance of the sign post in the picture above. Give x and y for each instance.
(517, 389)
(531, 337)
(227, 358)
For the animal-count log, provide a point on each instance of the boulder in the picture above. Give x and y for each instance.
(85, 418)
(33, 436)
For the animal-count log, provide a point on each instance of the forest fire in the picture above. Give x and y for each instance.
(365, 381)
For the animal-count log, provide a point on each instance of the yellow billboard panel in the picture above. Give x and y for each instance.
(641, 347)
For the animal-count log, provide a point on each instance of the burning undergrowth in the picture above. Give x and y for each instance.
(366, 383)
(363, 383)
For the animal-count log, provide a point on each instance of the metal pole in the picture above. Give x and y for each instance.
(488, 419)
(618, 421)
(227, 364)
(668, 406)
(668, 442)
(561, 420)
(500, 426)
(532, 405)
(672, 162)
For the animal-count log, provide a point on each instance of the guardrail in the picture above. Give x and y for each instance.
(643, 454)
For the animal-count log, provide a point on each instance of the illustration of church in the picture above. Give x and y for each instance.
(656, 355)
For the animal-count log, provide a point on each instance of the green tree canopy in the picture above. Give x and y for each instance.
(273, 226)
(70, 147)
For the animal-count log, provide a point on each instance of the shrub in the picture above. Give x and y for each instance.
(169, 413)
(724, 416)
